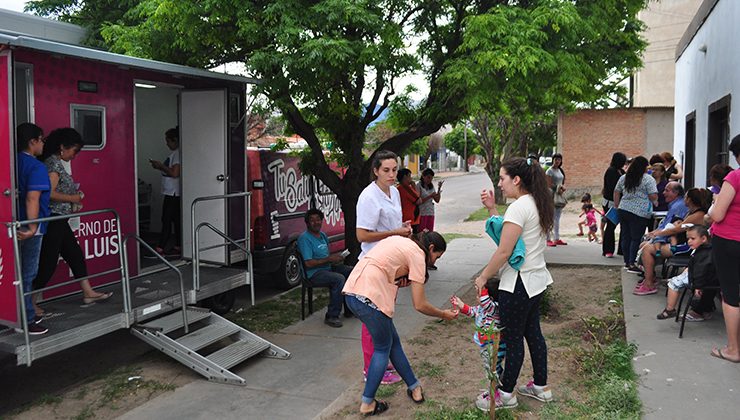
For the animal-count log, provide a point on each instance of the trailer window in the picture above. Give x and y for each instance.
(89, 121)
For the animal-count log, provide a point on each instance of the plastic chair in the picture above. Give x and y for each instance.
(675, 263)
(688, 304)
(306, 288)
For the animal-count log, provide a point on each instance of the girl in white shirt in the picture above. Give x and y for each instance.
(378, 217)
(530, 217)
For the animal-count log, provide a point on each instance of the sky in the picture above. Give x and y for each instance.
(237, 68)
(15, 5)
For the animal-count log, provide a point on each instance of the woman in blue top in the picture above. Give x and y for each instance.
(635, 195)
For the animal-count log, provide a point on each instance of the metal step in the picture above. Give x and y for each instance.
(216, 366)
(173, 321)
(238, 352)
(207, 335)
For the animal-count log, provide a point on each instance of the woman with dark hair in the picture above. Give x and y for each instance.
(698, 201)
(379, 215)
(661, 181)
(611, 176)
(530, 217)
(171, 216)
(62, 145)
(725, 215)
(673, 170)
(634, 195)
(428, 197)
(410, 199)
(370, 293)
(556, 182)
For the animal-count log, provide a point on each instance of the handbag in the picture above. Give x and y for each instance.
(559, 200)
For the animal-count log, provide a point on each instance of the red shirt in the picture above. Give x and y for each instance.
(729, 227)
(409, 195)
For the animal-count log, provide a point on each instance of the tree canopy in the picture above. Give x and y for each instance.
(331, 66)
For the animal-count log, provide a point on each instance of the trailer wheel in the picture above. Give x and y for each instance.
(290, 270)
(222, 303)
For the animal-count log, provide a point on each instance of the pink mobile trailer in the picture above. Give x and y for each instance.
(122, 106)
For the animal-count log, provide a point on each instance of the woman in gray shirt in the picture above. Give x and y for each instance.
(556, 181)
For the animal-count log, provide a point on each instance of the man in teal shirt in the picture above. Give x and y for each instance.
(322, 268)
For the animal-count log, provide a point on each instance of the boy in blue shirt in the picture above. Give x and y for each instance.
(34, 191)
(323, 268)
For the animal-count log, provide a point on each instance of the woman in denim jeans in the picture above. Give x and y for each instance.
(370, 293)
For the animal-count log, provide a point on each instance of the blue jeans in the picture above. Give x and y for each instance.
(387, 345)
(630, 236)
(30, 251)
(334, 279)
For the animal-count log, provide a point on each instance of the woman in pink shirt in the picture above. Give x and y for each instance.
(725, 215)
(370, 293)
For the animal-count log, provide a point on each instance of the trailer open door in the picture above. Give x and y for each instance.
(203, 148)
(8, 305)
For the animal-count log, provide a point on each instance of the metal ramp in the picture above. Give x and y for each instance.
(206, 332)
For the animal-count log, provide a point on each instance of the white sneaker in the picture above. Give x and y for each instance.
(483, 402)
(542, 394)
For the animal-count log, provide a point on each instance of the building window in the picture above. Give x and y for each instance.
(89, 121)
(689, 167)
(718, 137)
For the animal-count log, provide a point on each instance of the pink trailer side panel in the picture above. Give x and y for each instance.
(106, 175)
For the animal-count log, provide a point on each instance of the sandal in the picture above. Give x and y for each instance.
(667, 314)
(410, 393)
(380, 407)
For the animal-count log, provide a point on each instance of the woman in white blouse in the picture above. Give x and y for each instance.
(530, 217)
(378, 217)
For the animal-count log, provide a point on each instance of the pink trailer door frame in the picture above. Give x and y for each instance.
(8, 301)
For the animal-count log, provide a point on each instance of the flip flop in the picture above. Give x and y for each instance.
(718, 354)
(104, 296)
(410, 393)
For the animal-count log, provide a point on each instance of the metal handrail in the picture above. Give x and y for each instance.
(194, 236)
(170, 266)
(13, 230)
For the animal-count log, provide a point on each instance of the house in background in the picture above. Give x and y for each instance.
(587, 138)
(707, 59)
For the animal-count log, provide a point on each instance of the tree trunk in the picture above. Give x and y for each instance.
(350, 194)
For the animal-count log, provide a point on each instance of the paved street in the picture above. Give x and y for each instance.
(460, 197)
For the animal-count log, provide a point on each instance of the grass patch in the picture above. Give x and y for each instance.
(482, 213)
(449, 237)
(421, 340)
(429, 370)
(387, 391)
(278, 313)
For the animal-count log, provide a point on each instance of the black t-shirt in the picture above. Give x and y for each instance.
(611, 176)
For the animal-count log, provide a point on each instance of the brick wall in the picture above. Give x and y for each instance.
(588, 138)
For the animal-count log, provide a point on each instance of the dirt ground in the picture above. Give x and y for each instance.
(448, 364)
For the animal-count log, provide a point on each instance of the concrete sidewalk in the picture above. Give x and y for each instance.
(325, 361)
(678, 377)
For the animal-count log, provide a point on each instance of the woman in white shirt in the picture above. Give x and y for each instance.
(170, 169)
(378, 217)
(530, 217)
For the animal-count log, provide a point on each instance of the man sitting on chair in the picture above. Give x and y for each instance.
(322, 268)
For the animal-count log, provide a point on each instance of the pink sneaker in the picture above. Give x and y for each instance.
(389, 377)
(643, 290)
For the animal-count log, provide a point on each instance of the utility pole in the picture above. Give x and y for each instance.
(465, 147)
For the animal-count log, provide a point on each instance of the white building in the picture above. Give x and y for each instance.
(707, 77)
